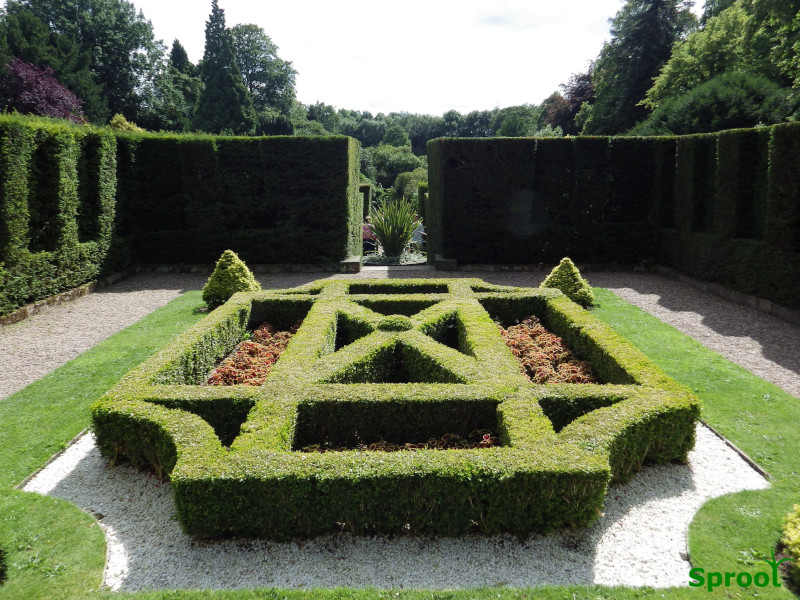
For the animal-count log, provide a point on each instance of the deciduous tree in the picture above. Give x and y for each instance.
(123, 50)
(269, 79)
(28, 38)
(31, 90)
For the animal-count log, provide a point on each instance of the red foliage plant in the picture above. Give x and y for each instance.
(253, 359)
(31, 90)
(480, 438)
(543, 357)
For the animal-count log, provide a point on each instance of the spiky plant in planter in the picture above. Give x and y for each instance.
(230, 275)
(567, 278)
(393, 223)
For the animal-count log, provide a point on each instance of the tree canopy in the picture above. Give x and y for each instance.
(269, 79)
(643, 33)
(119, 42)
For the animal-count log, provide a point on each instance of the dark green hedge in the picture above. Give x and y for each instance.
(721, 207)
(78, 202)
(353, 376)
(57, 186)
(741, 229)
(522, 200)
(272, 200)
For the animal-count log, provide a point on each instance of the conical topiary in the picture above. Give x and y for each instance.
(567, 278)
(230, 275)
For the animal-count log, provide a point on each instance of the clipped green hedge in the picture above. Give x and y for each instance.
(721, 207)
(77, 202)
(401, 361)
(271, 200)
(57, 186)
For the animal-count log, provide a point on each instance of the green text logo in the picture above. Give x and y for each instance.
(712, 579)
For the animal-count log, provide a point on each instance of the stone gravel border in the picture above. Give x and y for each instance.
(640, 540)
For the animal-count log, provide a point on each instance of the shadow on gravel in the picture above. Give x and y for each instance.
(779, 340)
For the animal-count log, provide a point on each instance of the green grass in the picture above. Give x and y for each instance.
(57, 551)
(53, 549)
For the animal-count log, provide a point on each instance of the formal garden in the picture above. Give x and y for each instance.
(431, 407)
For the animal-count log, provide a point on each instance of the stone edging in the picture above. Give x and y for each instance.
(41, 306)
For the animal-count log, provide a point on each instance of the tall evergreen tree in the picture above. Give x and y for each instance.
(225, 104)
(179, 59)
(643, 33)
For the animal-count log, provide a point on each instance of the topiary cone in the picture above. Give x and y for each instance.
(230, 275)
(567, 278)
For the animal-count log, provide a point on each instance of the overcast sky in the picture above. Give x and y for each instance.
(422, 56)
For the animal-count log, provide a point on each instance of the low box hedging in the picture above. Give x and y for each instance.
(352, 375)
(791, 539)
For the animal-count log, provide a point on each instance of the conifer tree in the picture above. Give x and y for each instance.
(225, 104)
(643, 33)
(179, 59)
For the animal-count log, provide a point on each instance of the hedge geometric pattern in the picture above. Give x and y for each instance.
(400, 360)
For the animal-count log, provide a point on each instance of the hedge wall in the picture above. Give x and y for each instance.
(78, 202)
(524, 200)
(56, 207)
(272, 200)
(737, 217)
(721, 207)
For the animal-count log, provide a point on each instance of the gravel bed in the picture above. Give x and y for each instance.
(764, 344)
(640, 541)
(32, 348)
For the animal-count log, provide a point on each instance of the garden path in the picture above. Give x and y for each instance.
(766, 345)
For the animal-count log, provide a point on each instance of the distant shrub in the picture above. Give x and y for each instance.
(120, 123)
(230, 275)
(567, 278)
(728, 101)
(271, 123)
(406, 185)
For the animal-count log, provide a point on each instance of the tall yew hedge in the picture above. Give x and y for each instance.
(186, 199)
(78, 202)
(56, 207)
(721, 207)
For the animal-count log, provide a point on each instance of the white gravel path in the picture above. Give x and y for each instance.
(641, 541)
